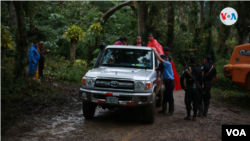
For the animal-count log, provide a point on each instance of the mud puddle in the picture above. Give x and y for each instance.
(67, 123)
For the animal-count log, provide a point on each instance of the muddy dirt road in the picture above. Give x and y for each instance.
(67, 123)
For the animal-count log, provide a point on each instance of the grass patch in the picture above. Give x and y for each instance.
(226, 91)
(238, 98)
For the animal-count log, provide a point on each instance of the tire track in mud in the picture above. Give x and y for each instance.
(123, 124)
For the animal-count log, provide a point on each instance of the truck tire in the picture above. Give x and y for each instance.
(88, 109)
(160, 98)
(149, 112)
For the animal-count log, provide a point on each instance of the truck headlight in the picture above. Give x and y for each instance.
(143, 85)
(88, 81)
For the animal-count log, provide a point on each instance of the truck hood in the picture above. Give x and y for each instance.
(118, 72)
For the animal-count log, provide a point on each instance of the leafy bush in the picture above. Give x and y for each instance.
(59, 69)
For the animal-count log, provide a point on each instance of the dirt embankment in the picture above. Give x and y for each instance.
(66, 122)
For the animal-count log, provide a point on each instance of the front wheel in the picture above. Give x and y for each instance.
(88, 109)
(149, 112)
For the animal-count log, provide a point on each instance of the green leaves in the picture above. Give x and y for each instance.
(6, 39)
(74, 33)
(96, 28)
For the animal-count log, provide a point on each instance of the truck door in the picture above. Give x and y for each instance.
(158, 76)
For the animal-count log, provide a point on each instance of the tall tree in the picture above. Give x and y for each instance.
(243, 23)
(209, 49)
(201, 12)
(12, 15)
(170, 30)
(142, 17)
(224, 32)
(180, 11)
(22, 42)
(153, 19)
(192, 16)
(74, 34)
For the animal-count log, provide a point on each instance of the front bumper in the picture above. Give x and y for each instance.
(124, 98)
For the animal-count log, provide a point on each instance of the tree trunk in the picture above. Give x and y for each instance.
(242, 24)
(193, 16)
(92, 48)
(72, 52)
(12, 15)
(201, 12)
(2, 64)
(142, 17)
(170, 31)
(224, 32)
(22, 42)
(151, 19)
(208, 29)
(180, 12)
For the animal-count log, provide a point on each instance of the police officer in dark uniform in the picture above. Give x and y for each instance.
(191, 88)
(208, 73)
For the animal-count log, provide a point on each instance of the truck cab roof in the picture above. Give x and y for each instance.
(129, 47)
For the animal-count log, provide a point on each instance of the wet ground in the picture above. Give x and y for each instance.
(66, 122)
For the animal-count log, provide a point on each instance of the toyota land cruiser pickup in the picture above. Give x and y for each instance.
(123, 76)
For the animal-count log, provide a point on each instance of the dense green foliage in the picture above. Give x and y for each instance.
(52, 19)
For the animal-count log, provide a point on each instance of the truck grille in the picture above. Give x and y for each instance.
(114, 84)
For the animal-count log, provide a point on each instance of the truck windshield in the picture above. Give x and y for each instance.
(134, 58)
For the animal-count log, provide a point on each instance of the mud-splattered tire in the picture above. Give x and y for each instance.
(88, 109)
(160, 98)
(149, 112)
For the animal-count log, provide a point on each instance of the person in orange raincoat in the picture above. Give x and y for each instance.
(153, 43)
(177, 85)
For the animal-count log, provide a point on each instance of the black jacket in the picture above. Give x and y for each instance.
(196, 72)
(206, 68)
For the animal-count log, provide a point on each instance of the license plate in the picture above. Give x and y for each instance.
(112, 99)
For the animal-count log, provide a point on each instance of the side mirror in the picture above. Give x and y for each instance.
(102, 45)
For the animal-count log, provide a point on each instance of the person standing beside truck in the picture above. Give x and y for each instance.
(193, 84)
(177, 85)
(208, 73)
(168, 79)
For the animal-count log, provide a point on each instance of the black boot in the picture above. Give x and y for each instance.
(188, 115)
(171, 109)
(194, 118)
(205, 111)
(200, 109)
(164, 108)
